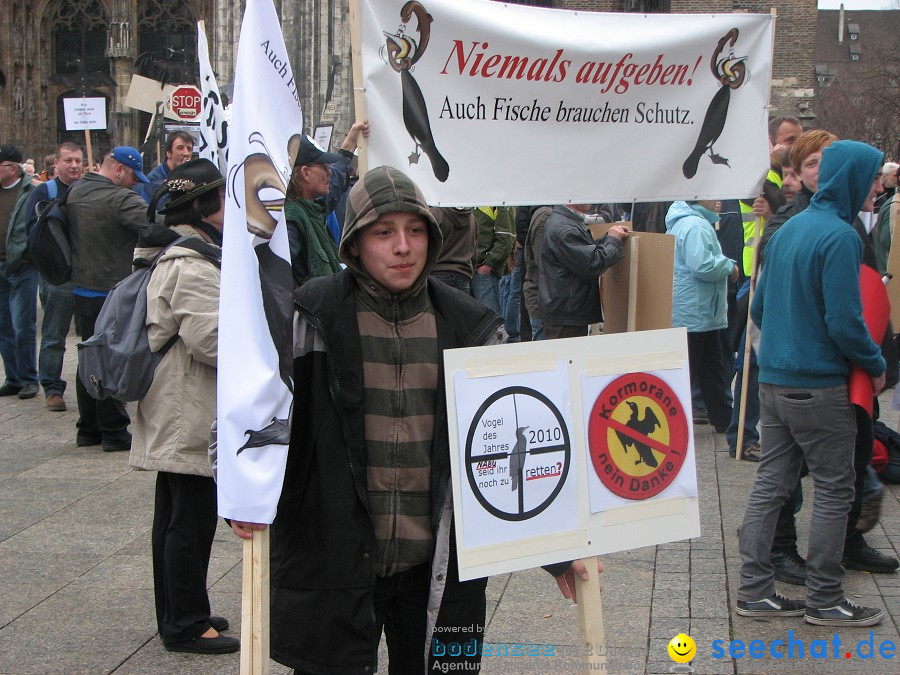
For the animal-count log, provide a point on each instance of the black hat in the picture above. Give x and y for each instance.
(10, 153)
(311, 153)
(185, 183)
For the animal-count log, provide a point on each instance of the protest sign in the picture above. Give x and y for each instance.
(565, 107)
(572, 448)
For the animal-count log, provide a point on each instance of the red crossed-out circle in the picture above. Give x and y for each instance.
(637, 420)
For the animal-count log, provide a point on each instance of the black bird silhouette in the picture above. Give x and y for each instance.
(646, 426)
(166, 65)
(517, 458)
(731, 72)
(712, 127)
(415, 118)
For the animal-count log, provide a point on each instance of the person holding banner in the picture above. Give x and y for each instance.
(362, 540)
(171, 423)
(317, 182)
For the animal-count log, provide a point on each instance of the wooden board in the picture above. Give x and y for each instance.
(642, 281)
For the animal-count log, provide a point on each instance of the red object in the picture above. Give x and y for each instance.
(876, 312)
(880, 456)
(186, 102)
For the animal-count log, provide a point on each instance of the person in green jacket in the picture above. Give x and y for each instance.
(312, 189)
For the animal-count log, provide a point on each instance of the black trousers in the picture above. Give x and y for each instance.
(184, 523)
(707, 365)
(107, 419)
(558, 332)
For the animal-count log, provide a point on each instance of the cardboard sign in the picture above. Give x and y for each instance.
(563, 449)
(639, 285)
(84, 114)
(322, 136)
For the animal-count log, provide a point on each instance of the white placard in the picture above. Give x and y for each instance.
(526, 410)
(85, 113)
(591, 94)
(322, 136)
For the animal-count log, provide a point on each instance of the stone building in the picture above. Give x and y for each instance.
(52, 49)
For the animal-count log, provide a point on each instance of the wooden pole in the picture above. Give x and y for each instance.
(757, 232)
(631, 321)
(590, 619)
(255, 605)
(745, 371)
(90, 150)
(359, 90)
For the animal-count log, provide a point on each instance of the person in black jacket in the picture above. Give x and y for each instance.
(362, 541)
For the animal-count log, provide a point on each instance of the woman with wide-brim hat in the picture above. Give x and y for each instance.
(172, 422)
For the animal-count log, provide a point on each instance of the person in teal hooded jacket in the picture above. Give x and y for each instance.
(700, 300)
(808, 308)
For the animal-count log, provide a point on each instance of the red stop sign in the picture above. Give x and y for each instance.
(186, 102)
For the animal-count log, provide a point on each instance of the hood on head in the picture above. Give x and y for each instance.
(380, 191)
(846, 174)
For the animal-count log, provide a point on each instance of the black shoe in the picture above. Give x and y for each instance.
(220, 623)
(117, 444)
(83, 440)
(775, 605)
(9, 389)
(845, 613)
(221, 644)
(30, 390)
(750, 453)
(790, 567)
(700, 416)
(868, 559)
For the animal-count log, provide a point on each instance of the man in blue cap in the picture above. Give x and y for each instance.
(105, 219)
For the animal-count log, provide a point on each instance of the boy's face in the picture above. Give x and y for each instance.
(393, 250)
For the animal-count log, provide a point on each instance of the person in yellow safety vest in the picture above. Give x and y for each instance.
(762, 207)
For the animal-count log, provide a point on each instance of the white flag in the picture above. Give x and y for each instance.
(255, 308)
(213, 125)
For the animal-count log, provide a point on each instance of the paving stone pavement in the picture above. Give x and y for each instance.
(76, 590)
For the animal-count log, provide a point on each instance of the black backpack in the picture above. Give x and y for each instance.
(117, 361)
(49, 245)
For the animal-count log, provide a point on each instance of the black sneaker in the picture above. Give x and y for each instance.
(117, 444)
(775, 605)
(790, 567)
(845, 613)
(29, 390)
(868, 559)
(869, 513)
(700, 416)
(83, 439)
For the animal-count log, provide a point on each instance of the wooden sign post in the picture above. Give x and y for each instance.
(255, 605)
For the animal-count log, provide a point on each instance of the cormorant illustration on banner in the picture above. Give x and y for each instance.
(265, 187)
(731, 72)
(401, 51)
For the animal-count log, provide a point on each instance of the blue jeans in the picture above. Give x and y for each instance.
(818, 425)
(59, 306)
(537, 330)
(18, 324)
(457, 281)
(751, 418)
(486, 289)
(511, 299)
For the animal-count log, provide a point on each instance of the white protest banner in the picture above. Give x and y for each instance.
(256, 308)
(213, 125)
(489, 103)
(568, 449)
(85, 113)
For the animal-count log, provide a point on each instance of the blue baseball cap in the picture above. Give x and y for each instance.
(131, 158)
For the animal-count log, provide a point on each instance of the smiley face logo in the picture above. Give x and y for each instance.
(682, 648)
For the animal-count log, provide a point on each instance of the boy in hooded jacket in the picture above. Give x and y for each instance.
(362, 541)
(809, 311)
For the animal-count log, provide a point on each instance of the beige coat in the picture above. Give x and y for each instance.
(171, 424)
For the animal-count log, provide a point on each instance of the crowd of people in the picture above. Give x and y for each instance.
(363, 536)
